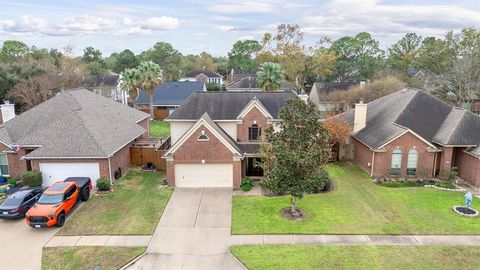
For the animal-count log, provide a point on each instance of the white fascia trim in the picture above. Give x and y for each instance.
(195, 120)
(473, 155)
(146, 117)
(254, 103)
(455, 145)
(23, 158)
(124, 145)
(189, 133)
(403, 133)
(170, 105)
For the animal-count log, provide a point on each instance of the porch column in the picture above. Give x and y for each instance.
(446, 159)
(170, 172)
(237, 172)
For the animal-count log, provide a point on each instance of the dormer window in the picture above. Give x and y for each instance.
(254, 133)
(203, 137)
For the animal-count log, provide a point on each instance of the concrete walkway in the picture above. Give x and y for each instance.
(100, 240)
(193, 233)
(296, 239)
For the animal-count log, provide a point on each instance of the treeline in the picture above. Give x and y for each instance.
(448, 67)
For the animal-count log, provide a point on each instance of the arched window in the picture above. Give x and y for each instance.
(396, 162)
(412, 162)
(203, 138)
(254, 132)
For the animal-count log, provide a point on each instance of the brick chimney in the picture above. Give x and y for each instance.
(8, 111)
(360, 118)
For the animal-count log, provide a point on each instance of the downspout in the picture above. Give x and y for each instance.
(373, 163)
(110, 170)
(434, 164)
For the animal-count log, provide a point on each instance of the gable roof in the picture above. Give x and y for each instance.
(171, 93)
(214, 128)
(225, 105)
(320, 90)
(208, 73)
(75, 123)
(413, 110)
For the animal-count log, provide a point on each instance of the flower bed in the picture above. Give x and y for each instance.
(465, 211)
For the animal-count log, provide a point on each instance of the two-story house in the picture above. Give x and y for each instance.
(215, 137)
(205, 76)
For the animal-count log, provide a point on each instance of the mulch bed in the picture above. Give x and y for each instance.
(286, 214)
(465, 211)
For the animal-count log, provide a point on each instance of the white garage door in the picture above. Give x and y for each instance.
(53, 172)
(204, 175)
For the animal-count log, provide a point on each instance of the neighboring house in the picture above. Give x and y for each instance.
(319, 95)
(168, 97)
(75, 133)
(249, 83)
(215, 137)
(236, 74)
(412, 134)
(106, 85)
(205, 76)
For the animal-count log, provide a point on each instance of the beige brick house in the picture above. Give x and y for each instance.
(75, 133)
(412, 134)
(215, 137)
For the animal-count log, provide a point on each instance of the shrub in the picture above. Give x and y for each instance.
(104, 184)
(32, 179)
(12, 181)
(445, 185)
(247, 184)
(399, 183)
(320, 182)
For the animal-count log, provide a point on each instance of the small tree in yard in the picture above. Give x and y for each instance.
(296, 152)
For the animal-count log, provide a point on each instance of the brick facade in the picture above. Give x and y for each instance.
(383, 160)
(253, 115)
(468, 167)
(145, 123)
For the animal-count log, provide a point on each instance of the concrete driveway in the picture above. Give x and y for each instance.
(21, 245)
(193, 233)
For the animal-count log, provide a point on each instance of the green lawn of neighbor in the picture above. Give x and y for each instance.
(135, 207)
(357, 206)
(86, 258)
(159, 129)
(358, 257)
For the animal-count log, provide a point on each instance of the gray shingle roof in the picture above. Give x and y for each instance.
(320, 90)
(171, 93)
(75, 123)
(224, 105)
(427, 116)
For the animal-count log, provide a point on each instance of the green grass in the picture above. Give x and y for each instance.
(135, 207)
(86, 258)
(358, 257)
(160, 129)
(357, 206)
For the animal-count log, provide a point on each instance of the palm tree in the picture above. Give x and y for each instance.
(150, 76)
(270, 77)
(130, 83)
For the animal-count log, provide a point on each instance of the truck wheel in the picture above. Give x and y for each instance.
(60, 219)
(85, 195)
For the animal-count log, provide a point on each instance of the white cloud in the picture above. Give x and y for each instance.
(160, 23)
(87, 23)
(225, 28)
(24, 24)
(244, 7)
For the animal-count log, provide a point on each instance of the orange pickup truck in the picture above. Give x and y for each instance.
(57, 201)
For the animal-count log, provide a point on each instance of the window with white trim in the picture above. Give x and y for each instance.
(254, 132)
(203, 138)
(412, 162)
(396, 162)
(4, 165)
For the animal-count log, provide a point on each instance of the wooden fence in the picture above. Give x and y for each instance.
(141, 156)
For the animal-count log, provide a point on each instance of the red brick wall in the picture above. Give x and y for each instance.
(363, 155)
(383, 160)
(121, 159)
(145, 123)
(253, 115)
(446, 159)
(212, 151)
(468, 168)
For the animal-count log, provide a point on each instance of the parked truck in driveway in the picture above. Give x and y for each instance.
(57, 201)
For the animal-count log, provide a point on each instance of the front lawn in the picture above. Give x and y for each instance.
(357, 206)
(159, 129)
(86, 258)
(135, 207)
(358, 257)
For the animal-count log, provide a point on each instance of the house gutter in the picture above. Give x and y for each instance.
(110, 169)
(373, 163)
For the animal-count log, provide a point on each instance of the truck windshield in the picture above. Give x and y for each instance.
(50, 199)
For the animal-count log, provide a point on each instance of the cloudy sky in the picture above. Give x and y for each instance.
(194, 26)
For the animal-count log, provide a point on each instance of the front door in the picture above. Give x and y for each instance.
(253, 167)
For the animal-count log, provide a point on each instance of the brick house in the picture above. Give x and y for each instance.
(320, 95)
(215, 137)
(168, 97)
(75, 133)
(412, 134)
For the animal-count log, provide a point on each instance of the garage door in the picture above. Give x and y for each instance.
(204, 175)
(53, 172)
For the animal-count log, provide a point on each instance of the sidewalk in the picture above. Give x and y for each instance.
(295, 239)
(100, 240)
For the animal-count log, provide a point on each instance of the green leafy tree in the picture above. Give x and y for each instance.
(297, 151)
(434, 55)
(358, 57)
(13, 50)
(94, 60)
(243, 55)
(150, 76)
(404, 53)
(125, 59)
(130, 83)
(168, 58)
(270, 76)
